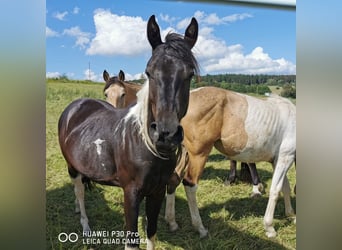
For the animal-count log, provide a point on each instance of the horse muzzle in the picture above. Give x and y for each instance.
(166, 137)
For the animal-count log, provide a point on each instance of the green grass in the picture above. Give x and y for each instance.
(233, 218)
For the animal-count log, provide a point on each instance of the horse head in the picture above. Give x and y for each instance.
(169, 71)
(115, 89)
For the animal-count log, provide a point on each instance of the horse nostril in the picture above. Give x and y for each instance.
(153, 126)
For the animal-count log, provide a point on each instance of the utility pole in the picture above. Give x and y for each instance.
(89, 71)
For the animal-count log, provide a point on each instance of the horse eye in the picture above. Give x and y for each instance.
(105, 94)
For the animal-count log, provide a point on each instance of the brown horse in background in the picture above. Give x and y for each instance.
(118, 92)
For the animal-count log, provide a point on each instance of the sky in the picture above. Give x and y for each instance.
(111, 35)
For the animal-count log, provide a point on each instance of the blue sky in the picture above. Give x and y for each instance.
(111, 35)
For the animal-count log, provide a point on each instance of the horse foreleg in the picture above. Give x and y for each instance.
(195, 216)
(278, 180)
(191, 178)
(172, 184)
(80, 207)
(232, 174)
(257, 185)
(170, 211)
(131, 204)
(153, 205)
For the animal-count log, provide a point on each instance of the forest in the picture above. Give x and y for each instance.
(256, 84)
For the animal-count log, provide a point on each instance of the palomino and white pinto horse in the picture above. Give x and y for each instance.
(135, 148)
(245, 129)
(118, 92)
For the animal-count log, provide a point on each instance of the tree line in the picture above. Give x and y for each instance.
(257, 84)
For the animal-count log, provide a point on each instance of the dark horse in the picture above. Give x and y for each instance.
(135, 148)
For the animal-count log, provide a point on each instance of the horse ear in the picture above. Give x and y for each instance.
(191, 33)
(121, 75)
(153, 32)
(105, 76)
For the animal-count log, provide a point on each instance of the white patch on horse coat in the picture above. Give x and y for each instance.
(268, 124)
(194, 90)
(151, 243)
(98, 143)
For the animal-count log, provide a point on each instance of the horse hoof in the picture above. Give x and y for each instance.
(86, 230)
(271, 234)
(292, 218)
(173, 227)
(256, 195)
(228, 183)
(261, 187)
(203, 233)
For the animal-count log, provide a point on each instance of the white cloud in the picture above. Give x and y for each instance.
(257, 62)
(82, 38)
(91, 75)
(53, 74)
(50, 33)
(213, 19)
(126, 36)
(138, 76)
(166, 18)
(76, 10)
(118, 35)
(216, 56)
(236, 17)
(181, 25)
(60, 16)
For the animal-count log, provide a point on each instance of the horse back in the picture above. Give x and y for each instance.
(78, 111)
(213, 113)
(84, 135)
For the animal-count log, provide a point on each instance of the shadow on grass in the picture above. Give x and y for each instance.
(211, 173)
(222, 233)
(105, 217)
(217, 158)
(61, 216)
(108, 216)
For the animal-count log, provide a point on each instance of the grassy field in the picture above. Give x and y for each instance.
(233, 218)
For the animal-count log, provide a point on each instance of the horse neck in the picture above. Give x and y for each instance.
(131, 93)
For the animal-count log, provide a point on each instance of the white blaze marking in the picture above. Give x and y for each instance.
(98, 143)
